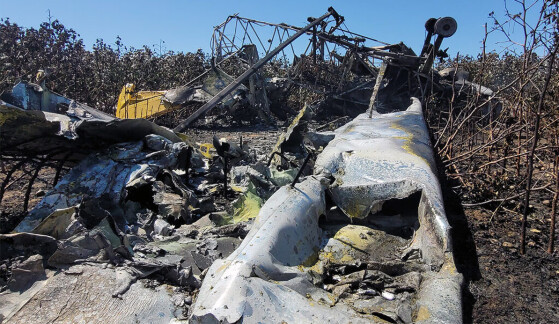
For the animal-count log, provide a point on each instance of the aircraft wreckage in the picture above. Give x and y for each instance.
(403, 262)
(342, 225)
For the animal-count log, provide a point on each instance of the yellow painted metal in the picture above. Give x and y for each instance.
(141, 104)
(206, 150)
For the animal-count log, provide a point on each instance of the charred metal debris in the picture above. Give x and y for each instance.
(342, 220)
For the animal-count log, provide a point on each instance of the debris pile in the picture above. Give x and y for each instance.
(303, 262)
(342, 221)
(139, 204)
(144, 206)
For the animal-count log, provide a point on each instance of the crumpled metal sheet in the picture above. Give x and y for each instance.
(389, 157)
(215, 80)
(292, 135)
(270, 277)
(386, 157)
(30, 96)
(260, 281)
(103, 174)
(40, 132)
(391, 152)
(51, 122)
(186, 94)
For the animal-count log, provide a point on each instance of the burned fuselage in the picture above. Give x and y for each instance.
(348, 260)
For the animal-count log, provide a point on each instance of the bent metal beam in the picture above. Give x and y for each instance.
(243, 77)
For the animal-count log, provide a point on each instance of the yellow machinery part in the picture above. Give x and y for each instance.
(145, 104)
(141, 104)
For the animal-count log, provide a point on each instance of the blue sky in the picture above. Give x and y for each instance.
(188, 25)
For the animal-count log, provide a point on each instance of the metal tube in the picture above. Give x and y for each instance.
(225, 176)
(314, 43)
(429, 62)
(380, 76)
(301, 169)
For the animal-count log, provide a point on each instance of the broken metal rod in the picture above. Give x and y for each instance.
(59, 168)
(309, 155)
(243, 77)
(431, 57)
(380, 76)
(314, 43)
(188, 158)
(225, 176)
(430, 28)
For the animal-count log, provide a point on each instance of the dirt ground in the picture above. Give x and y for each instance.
(501, 286)
(11, 206)
(513, 288)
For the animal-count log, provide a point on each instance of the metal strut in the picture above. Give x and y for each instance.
(380, 76)
(243, 77)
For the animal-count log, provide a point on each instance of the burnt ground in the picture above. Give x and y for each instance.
(11, 206)
(513, 288)
(502, 286)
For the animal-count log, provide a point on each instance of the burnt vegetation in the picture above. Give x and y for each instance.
(502, 161)
(95, 76)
